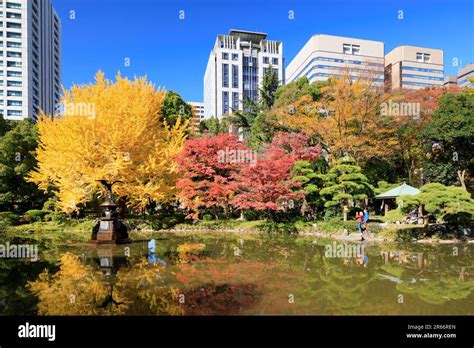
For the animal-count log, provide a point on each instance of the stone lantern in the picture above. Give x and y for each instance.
(109, 229)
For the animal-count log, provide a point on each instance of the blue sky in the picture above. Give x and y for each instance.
(173, 53)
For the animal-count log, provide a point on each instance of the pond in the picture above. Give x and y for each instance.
(237, 274)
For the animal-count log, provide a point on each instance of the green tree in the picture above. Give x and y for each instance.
(311, 176)
(344, 185)
(446, 203)
(213, 126)
(17, 159)
(288, 94)
(243, 119)
(5, 126)
(175, 106)
(270, 84)
(451, 134)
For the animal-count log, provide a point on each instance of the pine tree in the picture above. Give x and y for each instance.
(345, 184)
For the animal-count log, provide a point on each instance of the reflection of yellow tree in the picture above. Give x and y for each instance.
(146, 290)
(78, 289)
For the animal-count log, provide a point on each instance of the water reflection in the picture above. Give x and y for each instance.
(196, 275)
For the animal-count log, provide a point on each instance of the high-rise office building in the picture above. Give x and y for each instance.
(324, 56)
(464, 76)
(235, 69)
(412, 67)
(30, 60)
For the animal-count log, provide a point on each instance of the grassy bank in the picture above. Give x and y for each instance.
(66, 232)
(48, 234)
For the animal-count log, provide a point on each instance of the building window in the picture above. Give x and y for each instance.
(14, 25)
(225, 75)
(14, 83)
(14, 54)
(13, 5)
(13, 44)
(350, 49)
(275, 61)
(235, 56)
(13, 73)
(14, 93)
(235, 100)
(13, 64)
(225, 103)
(423, 57)
(13, 15)
(14, 103)
(266, 60)
(235, 76)
(14, 113)
(225, 56)
(14, 35)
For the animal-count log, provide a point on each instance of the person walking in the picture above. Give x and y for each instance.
(359, 216)
(365, 219)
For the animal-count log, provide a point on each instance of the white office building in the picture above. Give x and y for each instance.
(235, 69)
(30, 58)
(465, 75)
(413, 67)
(324, 56)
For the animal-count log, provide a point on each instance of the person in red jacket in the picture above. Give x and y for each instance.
(359, 216)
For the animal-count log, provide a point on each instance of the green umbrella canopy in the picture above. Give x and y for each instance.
(401, 190)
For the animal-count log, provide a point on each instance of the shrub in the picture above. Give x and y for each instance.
(9, 219)
(331, 212)
(393, 216)
(279, 227)
(35, 215)
(55, 217)
(251, 215)
(207, 217)
(50, 204)
(302, 226)
(334, 224)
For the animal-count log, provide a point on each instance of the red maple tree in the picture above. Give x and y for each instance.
(208, 167)
(266, 185)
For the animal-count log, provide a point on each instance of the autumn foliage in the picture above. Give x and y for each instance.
(267, 186)
(208, 179)
(345, 120)
(241, 180)
(109, 131)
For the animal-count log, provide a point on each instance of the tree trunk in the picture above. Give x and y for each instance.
(462, 178)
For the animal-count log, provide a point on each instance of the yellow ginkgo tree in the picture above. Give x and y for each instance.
(109, 131)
